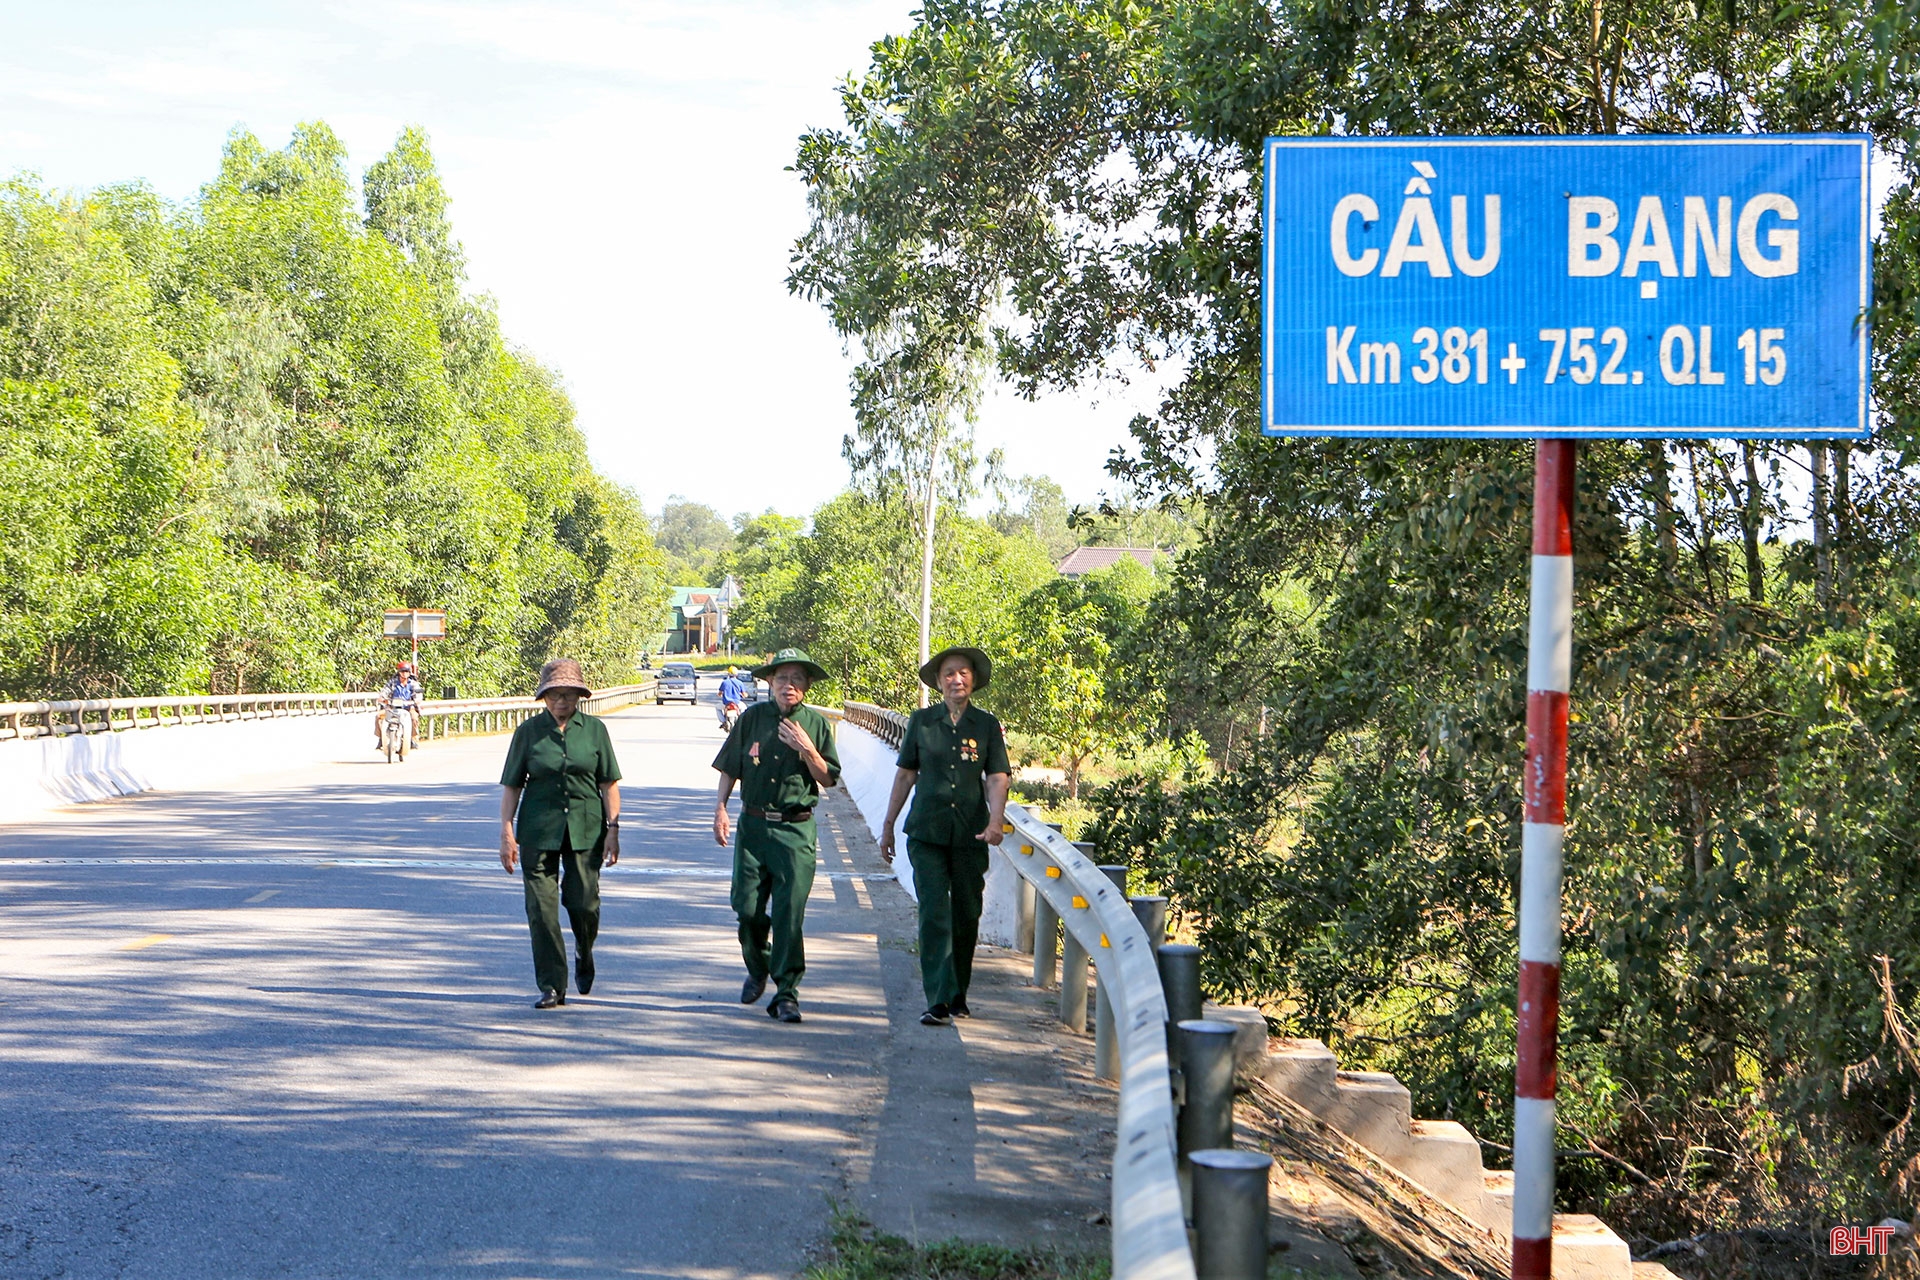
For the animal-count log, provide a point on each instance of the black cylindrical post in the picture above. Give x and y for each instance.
(1206, 1060)
(1151, 911)
(1230, 1214)
(1180, 983)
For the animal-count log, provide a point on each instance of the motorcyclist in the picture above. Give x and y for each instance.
(733, 696)
(403, 690)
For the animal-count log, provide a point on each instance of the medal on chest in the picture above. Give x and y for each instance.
(969, 748)
(753, 753)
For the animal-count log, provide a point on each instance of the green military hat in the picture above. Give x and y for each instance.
(981, 664)
(789, 657)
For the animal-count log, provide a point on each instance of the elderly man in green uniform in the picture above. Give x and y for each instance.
(953, 758)
(561, 785)
(781, 753)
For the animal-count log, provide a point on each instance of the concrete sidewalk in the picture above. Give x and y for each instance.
(993, 1129)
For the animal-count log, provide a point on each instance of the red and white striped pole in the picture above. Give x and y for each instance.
(1549, 675)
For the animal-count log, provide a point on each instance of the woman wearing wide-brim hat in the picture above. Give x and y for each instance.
(562, 783)
(953, 758)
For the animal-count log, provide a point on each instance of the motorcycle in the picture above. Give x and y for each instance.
(396, 731)
(729, 714)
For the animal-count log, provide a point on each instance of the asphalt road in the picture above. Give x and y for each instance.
(286, 1030)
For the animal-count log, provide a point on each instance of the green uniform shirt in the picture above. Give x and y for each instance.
(560, 775)
(770, 772)
(953, 760)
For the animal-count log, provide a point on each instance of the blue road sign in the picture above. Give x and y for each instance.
(1603, 286)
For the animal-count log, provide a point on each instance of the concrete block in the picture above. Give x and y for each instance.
(1301, 1071)
(1497, 1196)
(1585, 1248)
(1652, 1271)
(1376, 1111)
(1445, 1159)
(1249, 1036)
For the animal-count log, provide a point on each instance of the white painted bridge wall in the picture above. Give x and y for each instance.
(866, 768)
(39, 774)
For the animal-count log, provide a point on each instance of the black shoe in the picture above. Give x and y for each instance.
(752, 989)
(550, 1000)
(937, 1016)
(958, 1009)
(583, 972)
(785, 1009)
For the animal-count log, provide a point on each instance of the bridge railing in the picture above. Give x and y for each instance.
(27, 720)
(1149, 1223)
(450, 718)
(20, 720)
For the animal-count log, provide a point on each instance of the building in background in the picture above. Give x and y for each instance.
(695, 625)
(1085, 560)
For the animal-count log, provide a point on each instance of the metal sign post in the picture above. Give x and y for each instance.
(415, 625)
(1559, 289)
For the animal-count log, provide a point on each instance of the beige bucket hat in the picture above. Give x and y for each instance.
(563, 673)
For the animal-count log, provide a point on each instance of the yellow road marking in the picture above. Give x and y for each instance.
(261, 896)
(141, 944)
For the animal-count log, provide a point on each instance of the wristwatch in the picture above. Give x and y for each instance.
(613, 822)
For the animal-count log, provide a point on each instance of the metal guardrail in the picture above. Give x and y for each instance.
(28, 720)
(449, 719)
(1149, 1223)
(21, 720)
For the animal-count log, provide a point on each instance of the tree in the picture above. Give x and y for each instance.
(234, 432)
(845, 591)
(696, 536)
(1037, 506)
(1089, 175)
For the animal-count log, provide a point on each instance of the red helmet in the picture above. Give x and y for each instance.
(403, 665)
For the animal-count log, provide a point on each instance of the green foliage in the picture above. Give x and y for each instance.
(1071, 676)
(1348, 628)
(846, 591)
(233, 433)
(696, 539)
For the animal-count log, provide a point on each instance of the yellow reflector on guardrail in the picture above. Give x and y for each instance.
(1079, 901)
(1026, 848)
(1053, 873)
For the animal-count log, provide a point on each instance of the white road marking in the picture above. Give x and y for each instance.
(261, 896)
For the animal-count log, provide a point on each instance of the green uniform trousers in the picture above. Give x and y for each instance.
(773, 864)
(553, 877)
(951, 881)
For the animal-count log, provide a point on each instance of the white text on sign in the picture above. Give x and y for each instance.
(1453, 355)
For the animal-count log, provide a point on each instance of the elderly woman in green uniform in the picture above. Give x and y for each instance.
(953, 759)
(781, 753)
(562, 783)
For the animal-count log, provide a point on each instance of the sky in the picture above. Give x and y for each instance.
(618, 179)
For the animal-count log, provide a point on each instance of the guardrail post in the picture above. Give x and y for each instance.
(1025, 925)
(1073, 982)
(1180, 983)
(1046, 936)
(1151, 911)
(1206, 1054)
(1230, 1214)
(1106, 1047)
